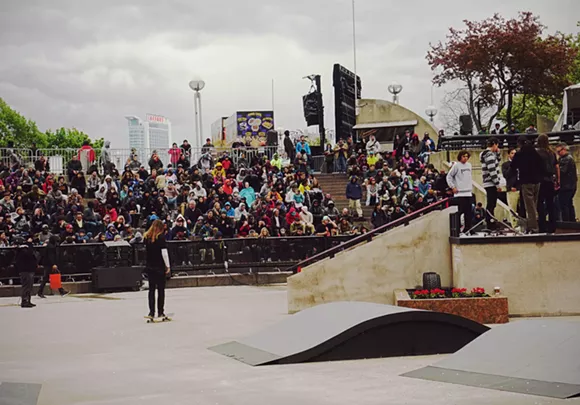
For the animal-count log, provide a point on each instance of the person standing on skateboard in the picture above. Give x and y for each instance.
(26, 264)
(157, 266)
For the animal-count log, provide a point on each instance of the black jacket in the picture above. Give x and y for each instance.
(511, 176)
(529, 165)
(26, 260)
(568, 174)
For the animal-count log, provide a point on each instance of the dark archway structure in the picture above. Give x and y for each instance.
(354, 330)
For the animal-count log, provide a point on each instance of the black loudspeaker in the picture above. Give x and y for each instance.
(117, 278)
(310, 103)
(118, 253)
(466, 125)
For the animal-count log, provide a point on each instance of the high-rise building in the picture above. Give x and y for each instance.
(153, 133)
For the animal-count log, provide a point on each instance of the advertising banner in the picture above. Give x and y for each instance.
(253, 126)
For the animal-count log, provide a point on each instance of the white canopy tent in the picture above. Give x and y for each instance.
(570, 105)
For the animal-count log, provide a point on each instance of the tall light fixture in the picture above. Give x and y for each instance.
(356, 107)
(431, 112)
(395, 89)
(197, 86)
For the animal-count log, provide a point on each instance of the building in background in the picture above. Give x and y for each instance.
(152, 133)
(218, 133)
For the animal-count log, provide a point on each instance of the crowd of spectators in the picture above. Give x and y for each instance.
(221, 195)
(393, 182)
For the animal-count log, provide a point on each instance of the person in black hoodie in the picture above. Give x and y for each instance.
(530, 170)
(548, 186)
(26, 264)
(49, 264)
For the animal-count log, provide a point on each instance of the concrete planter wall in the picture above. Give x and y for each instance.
(483, 310)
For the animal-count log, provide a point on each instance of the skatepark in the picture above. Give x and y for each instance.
(99, 350)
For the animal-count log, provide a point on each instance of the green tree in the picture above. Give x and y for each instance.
(21, 132)
(499, 59)
(15, 129)
(70, 138)
(526, 109)
(574, 42)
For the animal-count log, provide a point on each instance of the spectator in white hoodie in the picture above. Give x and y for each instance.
(460, 180)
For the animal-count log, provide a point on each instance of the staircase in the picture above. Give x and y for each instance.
(335, 185)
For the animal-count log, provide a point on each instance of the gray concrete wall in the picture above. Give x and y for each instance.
(539, 279)
(210, 280)
(372, 271)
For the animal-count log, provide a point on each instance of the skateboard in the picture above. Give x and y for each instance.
(471, 230)
(502, 227)
(166, 318)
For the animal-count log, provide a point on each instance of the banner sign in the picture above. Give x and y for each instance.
(253, 126)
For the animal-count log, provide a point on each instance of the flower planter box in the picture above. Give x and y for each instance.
(483, 310)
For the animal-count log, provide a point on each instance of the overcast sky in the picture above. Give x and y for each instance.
(87, 64)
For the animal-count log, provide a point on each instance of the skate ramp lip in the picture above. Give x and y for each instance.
(536, 357)
(307, 334)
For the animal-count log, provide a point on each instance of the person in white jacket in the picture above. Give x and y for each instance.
(373, 145)
(306, 216)
(460, 180)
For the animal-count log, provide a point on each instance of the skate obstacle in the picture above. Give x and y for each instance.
(353, 330)
(536, 357)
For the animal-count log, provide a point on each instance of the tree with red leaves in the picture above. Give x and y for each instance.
(498, 59)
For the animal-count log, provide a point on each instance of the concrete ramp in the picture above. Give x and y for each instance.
(536, 357)
(353, 330)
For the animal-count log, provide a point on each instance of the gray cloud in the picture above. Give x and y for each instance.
(87, 64)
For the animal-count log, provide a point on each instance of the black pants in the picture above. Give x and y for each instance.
(156, 282)
(491, 204)
(464, 204)
(546, 206)
(26, 279)
(566, 198)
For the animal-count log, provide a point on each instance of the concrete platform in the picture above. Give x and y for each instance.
(95, 351)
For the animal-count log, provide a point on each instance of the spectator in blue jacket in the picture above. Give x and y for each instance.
(354, 195)
(303, 147)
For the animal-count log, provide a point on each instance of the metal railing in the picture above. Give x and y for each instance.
(76, 261)
(505, 140)
(367, 237)
(58, 158)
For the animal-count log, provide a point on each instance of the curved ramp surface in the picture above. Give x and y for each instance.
(536, 357)
(353, 330)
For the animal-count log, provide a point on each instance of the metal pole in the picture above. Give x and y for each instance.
(354, 55)
(272, 95)
(320, 112)
(200, 119)
(195, 119)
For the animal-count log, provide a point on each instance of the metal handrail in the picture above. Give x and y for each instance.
(456, 142)
(367, 237)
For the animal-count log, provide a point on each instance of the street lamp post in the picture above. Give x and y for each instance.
(197, 86)
(356, 108)
(395, 89)
(431, 112)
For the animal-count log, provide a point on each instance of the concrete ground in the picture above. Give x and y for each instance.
(101, 351)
